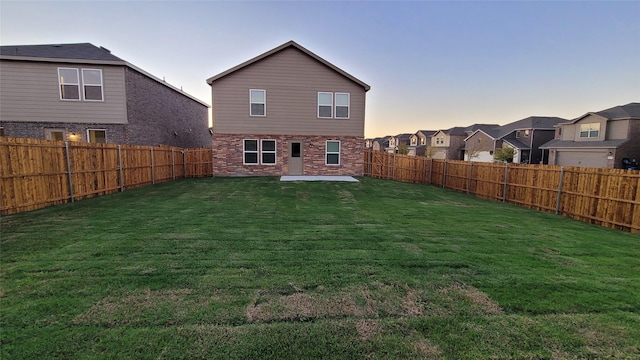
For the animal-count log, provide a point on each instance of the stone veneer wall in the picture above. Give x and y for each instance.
(227, 153)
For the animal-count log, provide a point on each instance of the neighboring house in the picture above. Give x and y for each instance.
(380, 144)
(419, 142)
(81, 92)
(288, 111)
(449, 144)
(525, 136)
(598, 139)
(395, 142)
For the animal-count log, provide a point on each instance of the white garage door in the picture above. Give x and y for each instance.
(582, 158)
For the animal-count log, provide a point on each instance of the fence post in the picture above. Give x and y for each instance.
(66, 151)
(559, 190)
(173, 165)
(424, 169)
(444, 174)
(153, 172)
(430, 171)
(393, 168)
(184, 162)
(212, 164)
(470, 172)
(120, 169)
(506, 178)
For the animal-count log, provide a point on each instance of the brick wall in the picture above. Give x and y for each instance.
(159, 115)
(116, 133)
(228, 155)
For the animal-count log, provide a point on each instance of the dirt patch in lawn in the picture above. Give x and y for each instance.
(367, 328)
(157, 306)
(477, 301)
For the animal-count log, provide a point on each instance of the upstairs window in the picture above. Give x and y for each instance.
(325, 105)
(588, 131)
(258, 102)
(440, 140)
(92, 83)
(342, 105)
(69, 81)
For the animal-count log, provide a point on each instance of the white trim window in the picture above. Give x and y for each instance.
(325, 105)
(332, 156)
(55, 134)
(97, 136)
(69, 84)
(268, 152)
(250, 151)
(343, 102)
(257, 102)
(589, 131)
(92, 84)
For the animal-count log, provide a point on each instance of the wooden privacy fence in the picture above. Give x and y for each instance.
(607, 197)
(38, 173)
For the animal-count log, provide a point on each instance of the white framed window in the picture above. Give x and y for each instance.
(325, 105)
(590, 130)
(250, 151)
(268, 152)
(55, 134)
(69, 82)
(332, 152)
(97, 136)
(92, 84)
(440, 140)
(257, 102)
(343, 101)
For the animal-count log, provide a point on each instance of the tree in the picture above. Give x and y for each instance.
(429, 151)
(403, 149)
(505, 153)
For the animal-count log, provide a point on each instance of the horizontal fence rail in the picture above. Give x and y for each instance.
(38, 173)
(607, 197)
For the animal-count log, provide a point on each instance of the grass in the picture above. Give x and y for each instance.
(240, 268)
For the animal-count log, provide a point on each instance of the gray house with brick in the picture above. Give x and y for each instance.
(288, 112)
(602, 139)
(81, 92)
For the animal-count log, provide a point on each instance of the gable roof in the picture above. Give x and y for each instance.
(284, 46)
(426, 133)
(80, 53)
(628, 111)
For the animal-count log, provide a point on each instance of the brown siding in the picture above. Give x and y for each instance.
(227, 153)
(292, 80)
(618, 129)
(29, 92)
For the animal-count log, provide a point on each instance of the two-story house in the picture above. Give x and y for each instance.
(524, 136)
(81, 92)
(449, 144)
(419, 142)
(397, 142)
(288, 112)
(598, 139)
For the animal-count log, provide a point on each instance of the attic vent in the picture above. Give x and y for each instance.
(105, 49)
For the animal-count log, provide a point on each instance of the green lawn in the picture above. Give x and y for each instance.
(242, 268)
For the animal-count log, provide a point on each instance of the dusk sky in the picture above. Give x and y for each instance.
(431, 65)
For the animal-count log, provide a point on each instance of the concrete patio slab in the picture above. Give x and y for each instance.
(318, 178)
